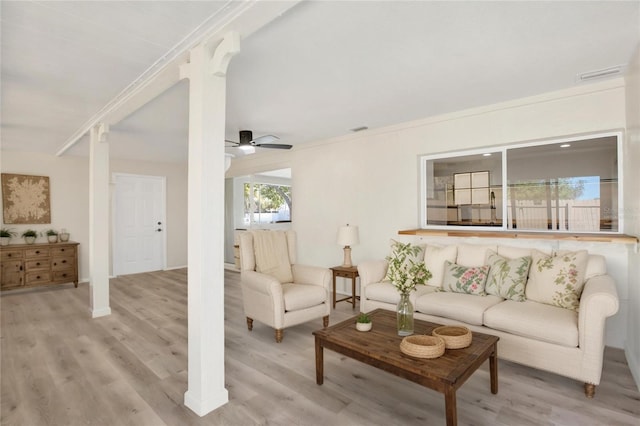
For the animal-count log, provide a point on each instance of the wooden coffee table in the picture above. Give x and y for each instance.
(380, 348)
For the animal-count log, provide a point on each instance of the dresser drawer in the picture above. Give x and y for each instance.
(63, 251)
(36, 252)
(11, 255)
(38, 277)
(36, 264)
(60, 263)
(64, 276)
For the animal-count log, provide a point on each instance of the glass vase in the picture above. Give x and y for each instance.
(404, 315)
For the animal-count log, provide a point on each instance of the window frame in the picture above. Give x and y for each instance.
(424, 189)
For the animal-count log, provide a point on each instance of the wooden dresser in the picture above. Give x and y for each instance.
(33, 265)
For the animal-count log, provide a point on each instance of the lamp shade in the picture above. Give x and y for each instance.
(348, 235)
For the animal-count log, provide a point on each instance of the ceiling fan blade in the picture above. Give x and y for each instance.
(274, 145)
(264, 139)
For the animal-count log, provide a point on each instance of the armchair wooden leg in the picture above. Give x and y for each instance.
(250, 323)
(325, 321)
(279, 334)
(589, 390)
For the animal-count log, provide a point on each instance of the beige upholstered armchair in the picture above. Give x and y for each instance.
(275, 290)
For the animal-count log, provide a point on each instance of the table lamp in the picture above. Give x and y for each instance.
(348, 236)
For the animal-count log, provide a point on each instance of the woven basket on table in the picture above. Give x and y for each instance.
(422, 346)
(454, 336)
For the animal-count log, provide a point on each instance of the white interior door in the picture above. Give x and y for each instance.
(139, 224)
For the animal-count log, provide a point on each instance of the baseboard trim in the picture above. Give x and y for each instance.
(174, 267)
(102, 312)
(203, 407)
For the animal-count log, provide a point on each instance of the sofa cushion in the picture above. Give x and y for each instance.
(507, 277)
(434, 258)
(462, 279)
(557, 280)
(386, 292)
(535, 320)
(467, 308)
(473, 254)
(301, 296)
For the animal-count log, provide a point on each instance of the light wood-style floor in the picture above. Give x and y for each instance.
(60, 367)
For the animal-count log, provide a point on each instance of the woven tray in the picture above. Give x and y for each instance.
(455, 337)
(422, 346)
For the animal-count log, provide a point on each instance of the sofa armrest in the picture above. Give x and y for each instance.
(305, 274)
(599, 300)
(372, 271)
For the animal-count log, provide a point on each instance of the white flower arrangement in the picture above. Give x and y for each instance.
(405, 270)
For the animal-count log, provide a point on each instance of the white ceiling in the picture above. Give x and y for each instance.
(318, 71)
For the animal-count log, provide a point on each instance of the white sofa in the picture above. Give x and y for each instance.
(535, 334)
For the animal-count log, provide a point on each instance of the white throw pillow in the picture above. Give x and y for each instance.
(557, 280)
(434, 258)
(419, 256)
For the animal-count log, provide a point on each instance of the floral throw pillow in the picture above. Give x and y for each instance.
(507, 277)
(557, 280)
(462, 279)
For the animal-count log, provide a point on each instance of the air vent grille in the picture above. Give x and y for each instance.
(602, 73)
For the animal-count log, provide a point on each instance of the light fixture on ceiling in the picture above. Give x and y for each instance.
(486, 154)
(565, 145)
(602, 73)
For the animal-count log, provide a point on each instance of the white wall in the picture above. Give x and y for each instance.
(69, 190)
(370, 178)
(632, 212)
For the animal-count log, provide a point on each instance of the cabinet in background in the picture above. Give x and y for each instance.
(33, 265)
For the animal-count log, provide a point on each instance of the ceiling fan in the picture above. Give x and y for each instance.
(247, 142)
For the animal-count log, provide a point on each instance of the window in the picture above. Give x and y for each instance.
(267, 203)
(562, 185)
(263, 199)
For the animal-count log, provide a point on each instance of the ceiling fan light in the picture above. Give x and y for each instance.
(246, 147)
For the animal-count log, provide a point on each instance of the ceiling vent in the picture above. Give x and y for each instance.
(600, 74)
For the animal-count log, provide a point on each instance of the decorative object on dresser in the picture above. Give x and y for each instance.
(25, 199)
(30, 236)
(348, 236)
(5, 236)
(52, 236)
(34, 265)
(64, 235)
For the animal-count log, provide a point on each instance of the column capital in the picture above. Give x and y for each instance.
(100, 131)
(227, 49)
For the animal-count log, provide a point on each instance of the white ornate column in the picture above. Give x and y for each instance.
(206, 72)
(99, 221)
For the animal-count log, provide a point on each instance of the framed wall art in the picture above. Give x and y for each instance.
(25, 199)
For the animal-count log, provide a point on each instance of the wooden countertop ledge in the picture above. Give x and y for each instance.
(561, 236)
